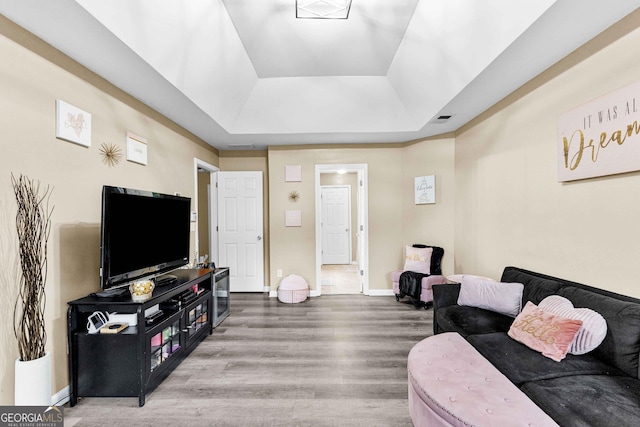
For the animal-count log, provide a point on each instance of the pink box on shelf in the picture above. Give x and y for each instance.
(156, 340)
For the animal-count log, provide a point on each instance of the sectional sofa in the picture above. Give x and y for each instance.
(599, 388)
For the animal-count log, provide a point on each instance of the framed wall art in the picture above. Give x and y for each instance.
(73, 124)
(293, 218)
(601, 137)
(136, 149)
(425, 189)
(293, 173)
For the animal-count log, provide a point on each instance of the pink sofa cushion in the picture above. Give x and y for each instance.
(451, 380)
(548, 333)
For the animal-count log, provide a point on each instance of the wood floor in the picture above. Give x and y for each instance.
(335, 360)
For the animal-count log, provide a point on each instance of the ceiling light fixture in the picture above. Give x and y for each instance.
(323, 9)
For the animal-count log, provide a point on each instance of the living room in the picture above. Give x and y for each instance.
(499, 200)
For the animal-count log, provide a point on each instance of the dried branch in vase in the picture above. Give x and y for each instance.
(33, 224)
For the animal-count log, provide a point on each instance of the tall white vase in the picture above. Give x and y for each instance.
(33, 382)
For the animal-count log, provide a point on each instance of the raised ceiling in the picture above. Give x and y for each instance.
(248, 74)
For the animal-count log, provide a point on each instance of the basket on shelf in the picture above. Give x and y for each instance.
(141, 291)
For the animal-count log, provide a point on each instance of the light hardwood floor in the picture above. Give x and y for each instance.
(335, 360)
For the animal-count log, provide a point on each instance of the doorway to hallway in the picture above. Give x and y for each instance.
(357, 256)
(340, 279)
(336, 224)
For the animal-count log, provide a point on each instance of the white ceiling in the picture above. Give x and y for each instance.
(247, 73)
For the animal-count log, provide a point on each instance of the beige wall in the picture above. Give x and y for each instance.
(394, 221)
(431, 224)
(293, 248)
(30, 85)
(510, 209)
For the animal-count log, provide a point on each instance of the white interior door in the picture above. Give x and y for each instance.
(336, 224)
(240, 229)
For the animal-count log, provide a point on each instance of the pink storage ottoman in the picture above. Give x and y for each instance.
(451, 384)
(426, 295)
(293, 289)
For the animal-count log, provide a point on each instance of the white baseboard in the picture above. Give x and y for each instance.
(61, 397)
(372, 293)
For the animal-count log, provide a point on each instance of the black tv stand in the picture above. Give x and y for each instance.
(167, 279)
(134, 361)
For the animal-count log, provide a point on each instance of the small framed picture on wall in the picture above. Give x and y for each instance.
(73, 124)
(425, 189)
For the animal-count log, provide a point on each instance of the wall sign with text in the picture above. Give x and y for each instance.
(602, 137)
(424, 189)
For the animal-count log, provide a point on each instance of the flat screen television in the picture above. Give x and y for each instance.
(143, 234)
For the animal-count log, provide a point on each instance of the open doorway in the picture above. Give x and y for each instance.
(206, 240)
(341, 229)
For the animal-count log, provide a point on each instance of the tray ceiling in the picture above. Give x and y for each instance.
(248, 74)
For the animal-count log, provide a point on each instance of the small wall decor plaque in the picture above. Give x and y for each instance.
(136, 149)
(73, 124)
(293, 218)
(425, 189)
(293, 173)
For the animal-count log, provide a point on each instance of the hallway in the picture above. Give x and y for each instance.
(343, 279)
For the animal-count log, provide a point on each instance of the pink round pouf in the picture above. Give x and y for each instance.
(293, 289)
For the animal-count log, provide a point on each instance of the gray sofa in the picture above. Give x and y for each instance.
(600, 388)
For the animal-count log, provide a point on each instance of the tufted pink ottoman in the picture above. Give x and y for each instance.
(427, 293)
(451, 384)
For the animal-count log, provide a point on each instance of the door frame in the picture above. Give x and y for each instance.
(363, 221)
(349, 207)
(213, 210)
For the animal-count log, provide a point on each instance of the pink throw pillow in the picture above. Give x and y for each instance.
(545, 332)
(418, 260)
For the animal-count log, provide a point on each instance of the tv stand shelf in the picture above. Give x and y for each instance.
(133, 362)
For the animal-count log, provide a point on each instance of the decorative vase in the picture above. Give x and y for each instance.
(33, 382)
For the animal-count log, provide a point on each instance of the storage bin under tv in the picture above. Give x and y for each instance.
(133, 362)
